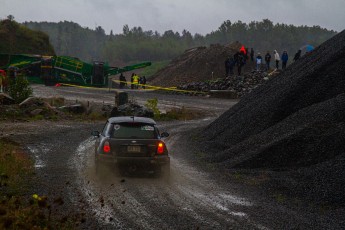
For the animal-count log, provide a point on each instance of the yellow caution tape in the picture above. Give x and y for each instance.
(129, 83)
(86, 87)
(159, 87)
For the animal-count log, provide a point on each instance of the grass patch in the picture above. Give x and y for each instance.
(182, 114)
(15, 168)
(280, 198)
(19, 209)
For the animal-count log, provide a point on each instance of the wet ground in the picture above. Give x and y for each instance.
(195, 198)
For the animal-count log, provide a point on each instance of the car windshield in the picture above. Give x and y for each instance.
(133, 131)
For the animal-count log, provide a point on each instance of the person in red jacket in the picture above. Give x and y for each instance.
(2, 80)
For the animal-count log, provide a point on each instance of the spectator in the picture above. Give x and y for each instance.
(140, 82)
(268, 60)
(135, 81)
(277, 58)
(241, 61)
(252, 54)
(258, 62)
(143, 82)
(132, 78)
(123, 81)
(297, 55)
(232, 64)
(285, 58)
(2, 80)
(227, 67)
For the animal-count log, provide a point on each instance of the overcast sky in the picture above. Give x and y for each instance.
(197, 16)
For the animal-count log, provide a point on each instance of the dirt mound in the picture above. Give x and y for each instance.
(294, 124)
(198, 64)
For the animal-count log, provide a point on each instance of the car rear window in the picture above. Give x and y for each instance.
(133, 131)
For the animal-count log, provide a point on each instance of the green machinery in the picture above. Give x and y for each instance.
(50, 70)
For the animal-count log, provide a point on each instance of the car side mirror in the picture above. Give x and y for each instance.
(95, 133)
(164, 134)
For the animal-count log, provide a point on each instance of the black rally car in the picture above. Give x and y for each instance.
(132, 144)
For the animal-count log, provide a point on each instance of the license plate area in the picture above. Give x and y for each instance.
(133, 148)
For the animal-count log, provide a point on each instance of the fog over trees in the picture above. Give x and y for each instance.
(137, 44)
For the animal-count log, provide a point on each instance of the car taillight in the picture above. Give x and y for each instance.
(106, 147)
(160, 148)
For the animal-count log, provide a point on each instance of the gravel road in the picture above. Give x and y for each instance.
(194, 199)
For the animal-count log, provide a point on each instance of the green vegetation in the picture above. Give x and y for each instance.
(18, 210)
(152, 104)
(15, 168)
(172, 114)
(19, 88)
(71, 39)
(16, 38)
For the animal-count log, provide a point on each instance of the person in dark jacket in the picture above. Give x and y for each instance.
(227, 67)
(123, 81)
(241, 61)
(143, 82)
(252, 54)
(132, 77)
(285, 58)
(268, 60)
(297, 55)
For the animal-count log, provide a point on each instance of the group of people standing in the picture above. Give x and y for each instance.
(136, 81)
(277, 58)
(284, 58)
(240, 58)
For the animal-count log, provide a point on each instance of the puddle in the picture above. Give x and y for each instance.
(38, 152)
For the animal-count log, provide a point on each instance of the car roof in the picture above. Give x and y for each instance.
(131, 119)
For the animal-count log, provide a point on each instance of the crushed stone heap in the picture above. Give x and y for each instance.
(294, 124)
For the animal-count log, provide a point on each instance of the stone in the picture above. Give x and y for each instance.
(6, 99)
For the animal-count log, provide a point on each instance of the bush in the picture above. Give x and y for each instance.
(19, 88)
(152, 104)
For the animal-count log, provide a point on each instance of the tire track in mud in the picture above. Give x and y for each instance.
(191, 200)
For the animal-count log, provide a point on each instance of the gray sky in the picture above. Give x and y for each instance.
(197, 16)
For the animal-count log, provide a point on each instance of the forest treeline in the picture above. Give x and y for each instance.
(137, 44)
(16, 38)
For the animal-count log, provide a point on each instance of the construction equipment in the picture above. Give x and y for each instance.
(50, 70)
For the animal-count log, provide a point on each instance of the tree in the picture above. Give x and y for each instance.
(10, 17)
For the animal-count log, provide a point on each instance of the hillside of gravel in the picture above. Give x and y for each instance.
(198, 64)
(292, 126)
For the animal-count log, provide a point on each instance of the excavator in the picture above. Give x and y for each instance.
(50, 70)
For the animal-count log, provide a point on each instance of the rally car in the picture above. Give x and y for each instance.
(132, 144)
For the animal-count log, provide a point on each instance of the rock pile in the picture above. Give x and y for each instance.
(239, 85)
(294, 124)
(197, 65)
(131, 109)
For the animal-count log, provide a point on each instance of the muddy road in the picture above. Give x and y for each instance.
(194, 198)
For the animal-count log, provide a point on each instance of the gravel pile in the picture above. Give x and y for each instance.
(198, 64)
(239, 85)
(293, 126)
